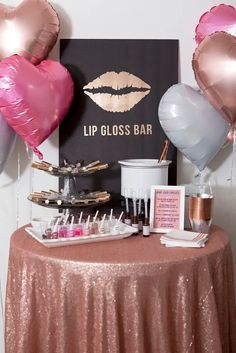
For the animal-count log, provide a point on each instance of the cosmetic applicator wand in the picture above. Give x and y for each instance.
(80, 217)
(62, 232)
(86, 230)
(115, 229)
(55, 229)
(146, 225)
(102, 228)
(94, 227)
(66, 219)
(48, 231)
(135, 218)
(111, 214)
(78, 228)
(71, 230)
(127, 219)
(140, 216)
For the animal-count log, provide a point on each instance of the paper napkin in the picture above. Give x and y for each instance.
(182, 238)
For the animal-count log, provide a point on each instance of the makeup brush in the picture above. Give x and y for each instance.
(95, 168)
(90, 165)
(40, 166)
(164, 151)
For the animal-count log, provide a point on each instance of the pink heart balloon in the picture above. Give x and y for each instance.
(214, 65)
(219, 18)
(34, 99)
(30, 30)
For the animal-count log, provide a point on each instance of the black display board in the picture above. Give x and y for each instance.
(114, 115)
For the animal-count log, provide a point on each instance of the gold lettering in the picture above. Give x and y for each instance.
(136, 129)
(85, 131)
(103, 130)
(149, 129)
(127, 130)
(121, 130)
(142, 130)
(114, 130)
(90, 130)
(94, 129)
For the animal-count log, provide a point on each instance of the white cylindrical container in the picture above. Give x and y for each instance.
(137, 176)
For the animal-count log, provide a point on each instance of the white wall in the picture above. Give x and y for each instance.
(149, 19)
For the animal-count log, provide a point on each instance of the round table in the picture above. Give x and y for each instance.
(125, 296)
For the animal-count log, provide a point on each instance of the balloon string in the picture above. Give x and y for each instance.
(18, 192)
(1, 301)
(198, 178)
(234, 140)
(31, 182)
(233, 158)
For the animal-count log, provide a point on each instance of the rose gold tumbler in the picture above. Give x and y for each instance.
(200, 212)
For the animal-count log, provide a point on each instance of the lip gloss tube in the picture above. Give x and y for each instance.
(78, 230)
(55, 229)
(94, 225)
(86, 230)
(102, 228)
(47, 234)
(62, 231)
(116, 229)
(71, 232)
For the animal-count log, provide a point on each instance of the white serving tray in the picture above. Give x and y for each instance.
(50, 243)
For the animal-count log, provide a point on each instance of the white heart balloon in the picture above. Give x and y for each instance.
(192, 124)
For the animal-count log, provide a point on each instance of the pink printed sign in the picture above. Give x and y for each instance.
(167, 208)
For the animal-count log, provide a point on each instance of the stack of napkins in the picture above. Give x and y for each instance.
(184, 239)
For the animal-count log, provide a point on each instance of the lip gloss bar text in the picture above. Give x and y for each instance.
(118, 130)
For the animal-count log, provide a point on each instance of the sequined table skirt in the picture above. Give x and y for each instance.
(126, 296)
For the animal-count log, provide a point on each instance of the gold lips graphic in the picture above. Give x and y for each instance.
(117, 83)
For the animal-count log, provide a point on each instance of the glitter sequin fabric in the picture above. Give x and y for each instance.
(125, 296)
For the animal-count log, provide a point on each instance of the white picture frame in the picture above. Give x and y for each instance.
(166, 208)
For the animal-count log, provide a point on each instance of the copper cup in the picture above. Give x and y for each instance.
(200, 212)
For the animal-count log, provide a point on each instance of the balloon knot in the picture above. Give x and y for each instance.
(38, 153)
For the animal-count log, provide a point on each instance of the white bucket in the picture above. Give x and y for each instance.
(137, 176)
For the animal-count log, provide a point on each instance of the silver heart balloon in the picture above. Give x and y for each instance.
(192, 124)
(7, 142)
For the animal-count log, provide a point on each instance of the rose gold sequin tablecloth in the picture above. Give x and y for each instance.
(125, 296)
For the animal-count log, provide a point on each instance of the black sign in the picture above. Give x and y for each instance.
(114, 115)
